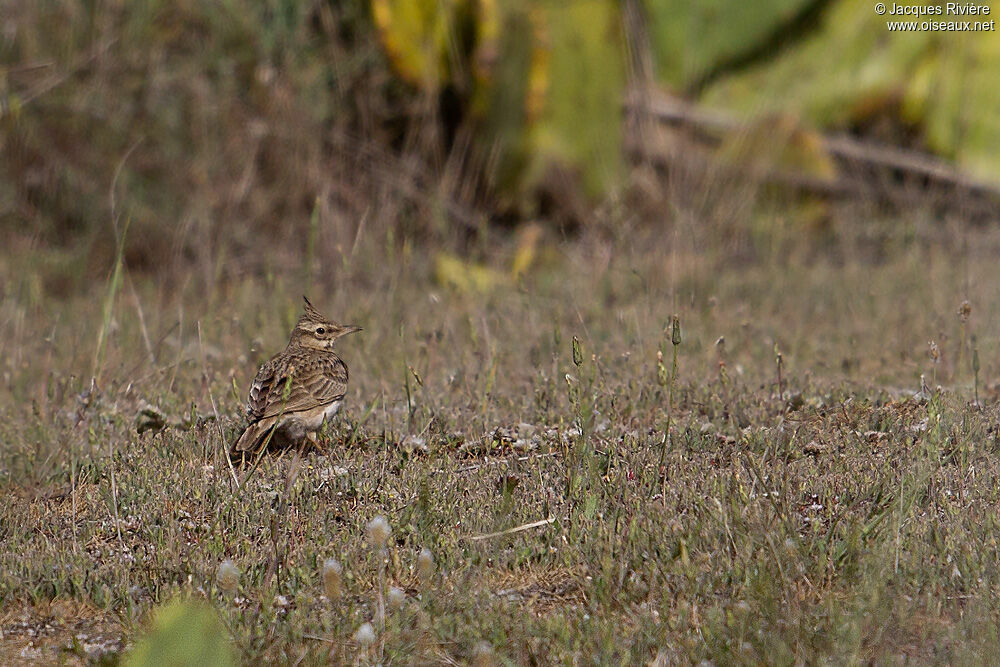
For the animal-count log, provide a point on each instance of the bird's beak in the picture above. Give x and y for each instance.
(349, 329)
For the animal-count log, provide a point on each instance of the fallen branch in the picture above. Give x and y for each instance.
(713, 125)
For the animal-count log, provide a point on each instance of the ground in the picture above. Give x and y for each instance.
(584, 501)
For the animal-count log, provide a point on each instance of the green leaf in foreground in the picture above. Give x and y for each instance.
(183, 632)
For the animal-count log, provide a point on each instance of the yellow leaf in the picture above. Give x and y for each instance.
(527, 244)
(415, 35)
(465, 276)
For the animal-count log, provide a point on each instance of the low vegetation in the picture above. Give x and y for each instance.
(813, 480)
(639, 382)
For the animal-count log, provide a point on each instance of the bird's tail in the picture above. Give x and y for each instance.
(252, 439)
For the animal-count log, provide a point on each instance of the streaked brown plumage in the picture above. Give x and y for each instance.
(300, 388)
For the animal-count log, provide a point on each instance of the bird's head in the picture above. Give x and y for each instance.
(315, 331)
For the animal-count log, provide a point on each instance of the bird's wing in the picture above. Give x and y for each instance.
(305, 383)
(253, 436)
(270, 374)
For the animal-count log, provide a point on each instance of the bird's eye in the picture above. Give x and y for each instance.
(321, 331)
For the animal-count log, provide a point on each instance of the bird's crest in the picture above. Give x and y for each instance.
(311, 314)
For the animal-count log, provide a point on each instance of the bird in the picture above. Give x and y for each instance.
(297, 390)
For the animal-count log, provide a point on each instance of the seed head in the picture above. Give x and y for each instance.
(577, 351)
(482, 654)
(964, 311)
(227, 576)
(425, 564)
(379, 531)
(396, 597)
(675, 330)
(332, 571)
(934, 351)
(365, 636)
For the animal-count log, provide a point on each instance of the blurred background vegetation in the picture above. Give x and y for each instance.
(216, 128)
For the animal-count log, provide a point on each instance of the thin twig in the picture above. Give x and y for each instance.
(114, 496)
(364, 420)
(135, 368)
(218, 421)
(357, 235)
(142, 317)
(519, 459)
(383, 554)
(280, 513)
(115, 279)
(511, 531)
(114, 184)
(57, 80)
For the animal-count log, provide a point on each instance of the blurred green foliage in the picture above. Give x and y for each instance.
(418, 36)
(852, 73)
(580, 118)
(689, 39)
(543, 80)
(220, 123)
(221, 107)
(184, 633)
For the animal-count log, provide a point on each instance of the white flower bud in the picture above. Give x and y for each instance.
(396, 597)
(482, 654)
(332, 571)
(228, 576)
(379, 531)
(365, 636)
(425, 564)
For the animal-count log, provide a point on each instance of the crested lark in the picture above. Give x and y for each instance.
(299, 388)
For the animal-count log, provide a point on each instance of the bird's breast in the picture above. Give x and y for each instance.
(331, 410)
(312, 420)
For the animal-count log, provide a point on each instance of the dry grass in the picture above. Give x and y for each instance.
(845, 520)
(716, 515)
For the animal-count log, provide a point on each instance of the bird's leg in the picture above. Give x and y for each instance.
(313, 440)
